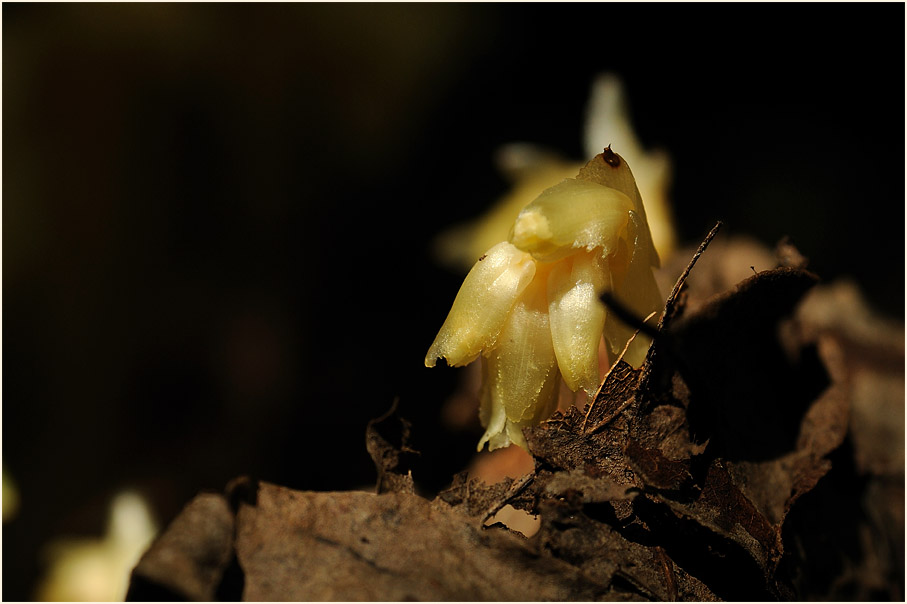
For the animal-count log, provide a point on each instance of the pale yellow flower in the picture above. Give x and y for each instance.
(98, 569)
(530, 306)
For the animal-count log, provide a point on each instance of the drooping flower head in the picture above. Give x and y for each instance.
(530, 307)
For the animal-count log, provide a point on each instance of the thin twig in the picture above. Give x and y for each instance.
(667, 568)
(515, 489)
(672, 299)
(669, 310)
(627, 316)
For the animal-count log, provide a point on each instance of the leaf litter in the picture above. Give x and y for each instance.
(682, 480)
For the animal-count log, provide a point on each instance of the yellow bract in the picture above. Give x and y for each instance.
(531, 306)
(571, 215)
(521, 372)
(482, 305)
(578, 317)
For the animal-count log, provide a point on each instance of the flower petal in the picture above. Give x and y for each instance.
(577, 317)
(482, 305)
(635, 287)
(617, 175)
(492, 416)
(571, 215)
(522, 377)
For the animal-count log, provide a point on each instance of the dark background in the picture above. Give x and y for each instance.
(217, 218)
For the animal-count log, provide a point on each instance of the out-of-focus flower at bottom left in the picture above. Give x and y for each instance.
(10, 497)
(97, 570)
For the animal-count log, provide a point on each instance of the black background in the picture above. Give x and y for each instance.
(217, 218)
